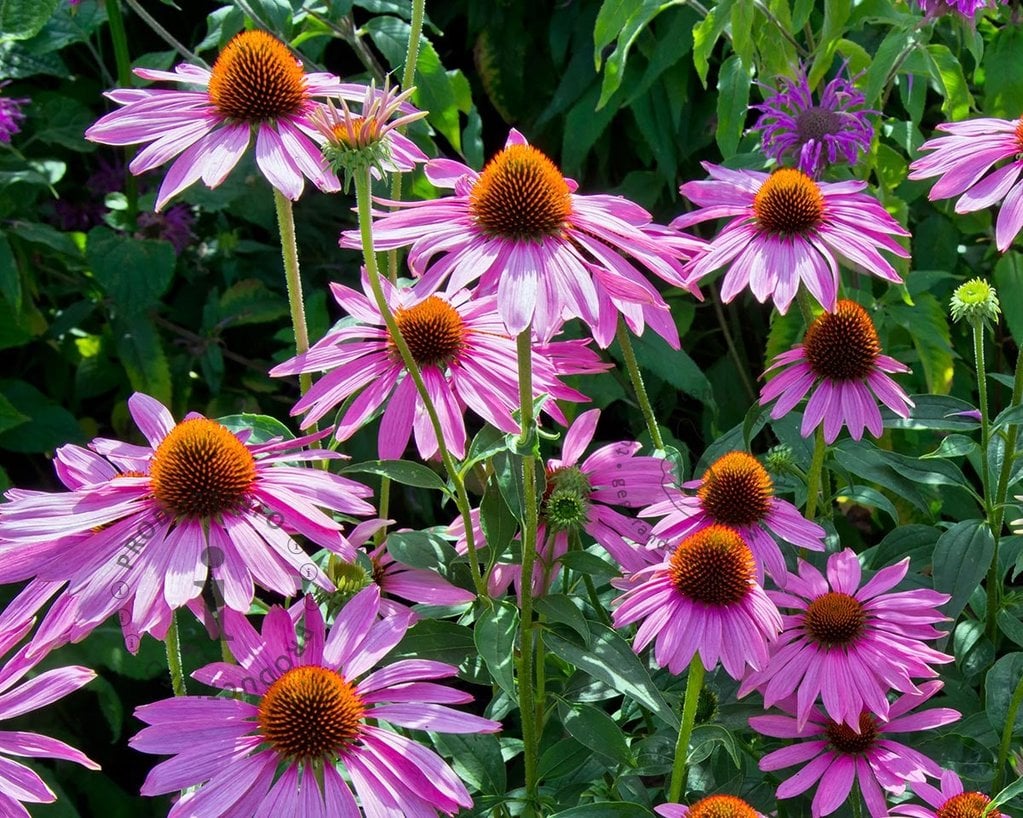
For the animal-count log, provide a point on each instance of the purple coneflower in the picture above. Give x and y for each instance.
(143, 521)
(847, 644)
(737, 491)
(548, 252)
(282, 751)
(256, 84)
(20, 785)
(840, 360)
(11, 114)
(838, 754)
(703, 598)
(951, 801)
(466, 357)
(836, 128)
(963, 160)
(713, 806)
(785, 229)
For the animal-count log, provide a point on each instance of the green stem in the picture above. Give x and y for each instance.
(173, 646)
(1003, 747)
(408, 76)
(289, 251)
(637, 383)
(813, 477)
(994, 579)
(693, 684)
(733, 350)
(363, 200)
(120, 39)
(384, 508)
(530, 522)
(998, 512)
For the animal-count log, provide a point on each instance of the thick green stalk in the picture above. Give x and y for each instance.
(694, 683)
(121, 56)
(1001, 492)
(530, 521)
(1003, 747)
(289, 251)
(637, 383)
(408, 76)
(173, 646)
(994, 577)
(813, 477)
(363, 200)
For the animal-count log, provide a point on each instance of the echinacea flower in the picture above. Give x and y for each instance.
(255, 86)
(142, 521)
(962, 161)
(785, 229)
(951, 801)
(11, 114)
(580, 498)
(840, 755)
(737, 491)
(849, 644)
(835, 128)
(19, 784)
(713, 806)
(308, 711)
(703, 598)
(840, 361)
(547, 252)
(465, 355)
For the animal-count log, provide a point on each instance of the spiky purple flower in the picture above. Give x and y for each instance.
(11, 115)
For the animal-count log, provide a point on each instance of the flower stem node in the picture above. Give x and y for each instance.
(976, 301)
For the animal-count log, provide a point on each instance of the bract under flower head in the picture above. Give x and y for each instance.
(547, 252)
(976, 301)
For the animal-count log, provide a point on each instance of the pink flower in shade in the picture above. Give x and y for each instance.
(963, 160)
(840, 360)
(951, 801)
(256, 84)
(312, 718)
(549, 253)
(147, 525)
(713, 806)
(20, 785)
(466, 357)
(847, 644)
(703, 598)
(580, 497)
(736, 491)
(785, 229)
(838, 755)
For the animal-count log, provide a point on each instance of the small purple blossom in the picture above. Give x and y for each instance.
(174, 225)
(836, 128)
(11, 115)
(967, 8)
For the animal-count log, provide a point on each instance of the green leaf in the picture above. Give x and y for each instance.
(954, 446)
(673, 366)
(134, 273)
(401, 471)
(437, 640)
(621, 21)
(592, 727)
(948, 73)
(560, 608)
(999, 684)
(605, 809)
(10, 417)
(141, 353)
(494, 634)
(488, 442)
(249, 301)
(1009, 283)
(420, 549)
(1004, 796)
(263, 427)
(10, 278)
(884, 61)
(497, 521)
(733, 104)
(561, 758)
(1010, 625)
(21, 19)
(836, 13)
(477, 760)
(708, 736)
(586, 563)
(706, 34)
(914, 541)
(1003, 76)
(962, 556)
(1011, 416)
(611, 660)
(927, 324)
(941, 413)
(50, 424)
(863, 462)
(864, 495)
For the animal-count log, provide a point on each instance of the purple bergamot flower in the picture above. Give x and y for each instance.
(11, 114)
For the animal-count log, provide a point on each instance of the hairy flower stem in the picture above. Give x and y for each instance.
(1007, 729)
(814, 477)
(407, 78)
(1009, 458)
(121, 56)
(694, 682)
(289, 252)
(528, 706)
(629, 354)
(994, 579)
(173, 646)
(363, 200)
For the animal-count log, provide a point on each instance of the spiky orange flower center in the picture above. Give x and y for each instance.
(834, 619)
(721, 806)
(788, 203)
(736, 490)
(714, 566)
(310, 712)
(1019, 136)
(434, 331)
(966, 805)
(842, 345)
(521, 195)
(256, 79)
(201, 469)
(846, 740)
